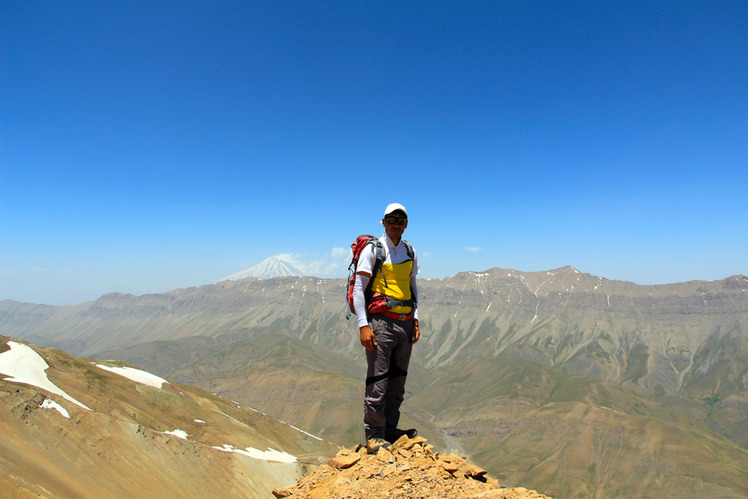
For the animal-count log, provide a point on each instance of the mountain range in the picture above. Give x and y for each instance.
(562, 381)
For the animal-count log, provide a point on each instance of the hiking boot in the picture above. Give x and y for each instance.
(374, 444)
(393, 435)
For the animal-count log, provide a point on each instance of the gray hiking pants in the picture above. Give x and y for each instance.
(385, 375)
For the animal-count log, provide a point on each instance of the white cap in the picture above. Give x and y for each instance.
(394, 207)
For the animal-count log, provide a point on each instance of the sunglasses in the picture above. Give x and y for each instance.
(396, 220)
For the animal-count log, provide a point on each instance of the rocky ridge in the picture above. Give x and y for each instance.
(410, 468)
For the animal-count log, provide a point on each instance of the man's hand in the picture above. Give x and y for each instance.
(368, 340)
(416, 331)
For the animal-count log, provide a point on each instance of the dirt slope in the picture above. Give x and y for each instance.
(135, 440)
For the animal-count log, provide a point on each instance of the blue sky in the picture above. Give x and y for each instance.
(148, 146)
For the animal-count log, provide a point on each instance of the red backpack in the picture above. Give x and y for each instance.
(357, 247)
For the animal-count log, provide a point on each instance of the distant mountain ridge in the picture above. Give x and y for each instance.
(267, 269)
(550, 365)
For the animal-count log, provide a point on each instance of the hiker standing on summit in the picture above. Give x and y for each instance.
(385, 302)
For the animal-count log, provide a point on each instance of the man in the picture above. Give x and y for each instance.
(388, 326)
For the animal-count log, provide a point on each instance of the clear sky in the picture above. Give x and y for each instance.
(151, 145)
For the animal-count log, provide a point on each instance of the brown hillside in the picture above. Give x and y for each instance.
(125, 445)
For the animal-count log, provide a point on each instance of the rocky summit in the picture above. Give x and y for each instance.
(410, 468)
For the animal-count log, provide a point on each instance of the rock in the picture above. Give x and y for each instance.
(476, 473)
(385, 456)
(344, 461)
(412, 442)
(281, 492)
(451, 467)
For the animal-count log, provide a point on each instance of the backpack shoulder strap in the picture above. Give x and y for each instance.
(412, 255)
(410, 250)
(378, 249)
(379, 257)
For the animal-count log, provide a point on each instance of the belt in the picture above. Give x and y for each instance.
(400, 317)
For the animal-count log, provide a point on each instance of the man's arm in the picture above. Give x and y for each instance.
(359, 305)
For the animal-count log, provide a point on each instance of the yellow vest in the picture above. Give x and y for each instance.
(394, 281)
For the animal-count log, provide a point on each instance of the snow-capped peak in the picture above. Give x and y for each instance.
(267, 269)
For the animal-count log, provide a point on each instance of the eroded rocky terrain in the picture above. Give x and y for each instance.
(410, 468)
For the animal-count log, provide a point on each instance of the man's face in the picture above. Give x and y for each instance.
(395, 224)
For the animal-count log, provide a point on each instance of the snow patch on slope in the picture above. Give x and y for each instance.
(51, 404)
(25, 366)
(136, 375)
(268, 455)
